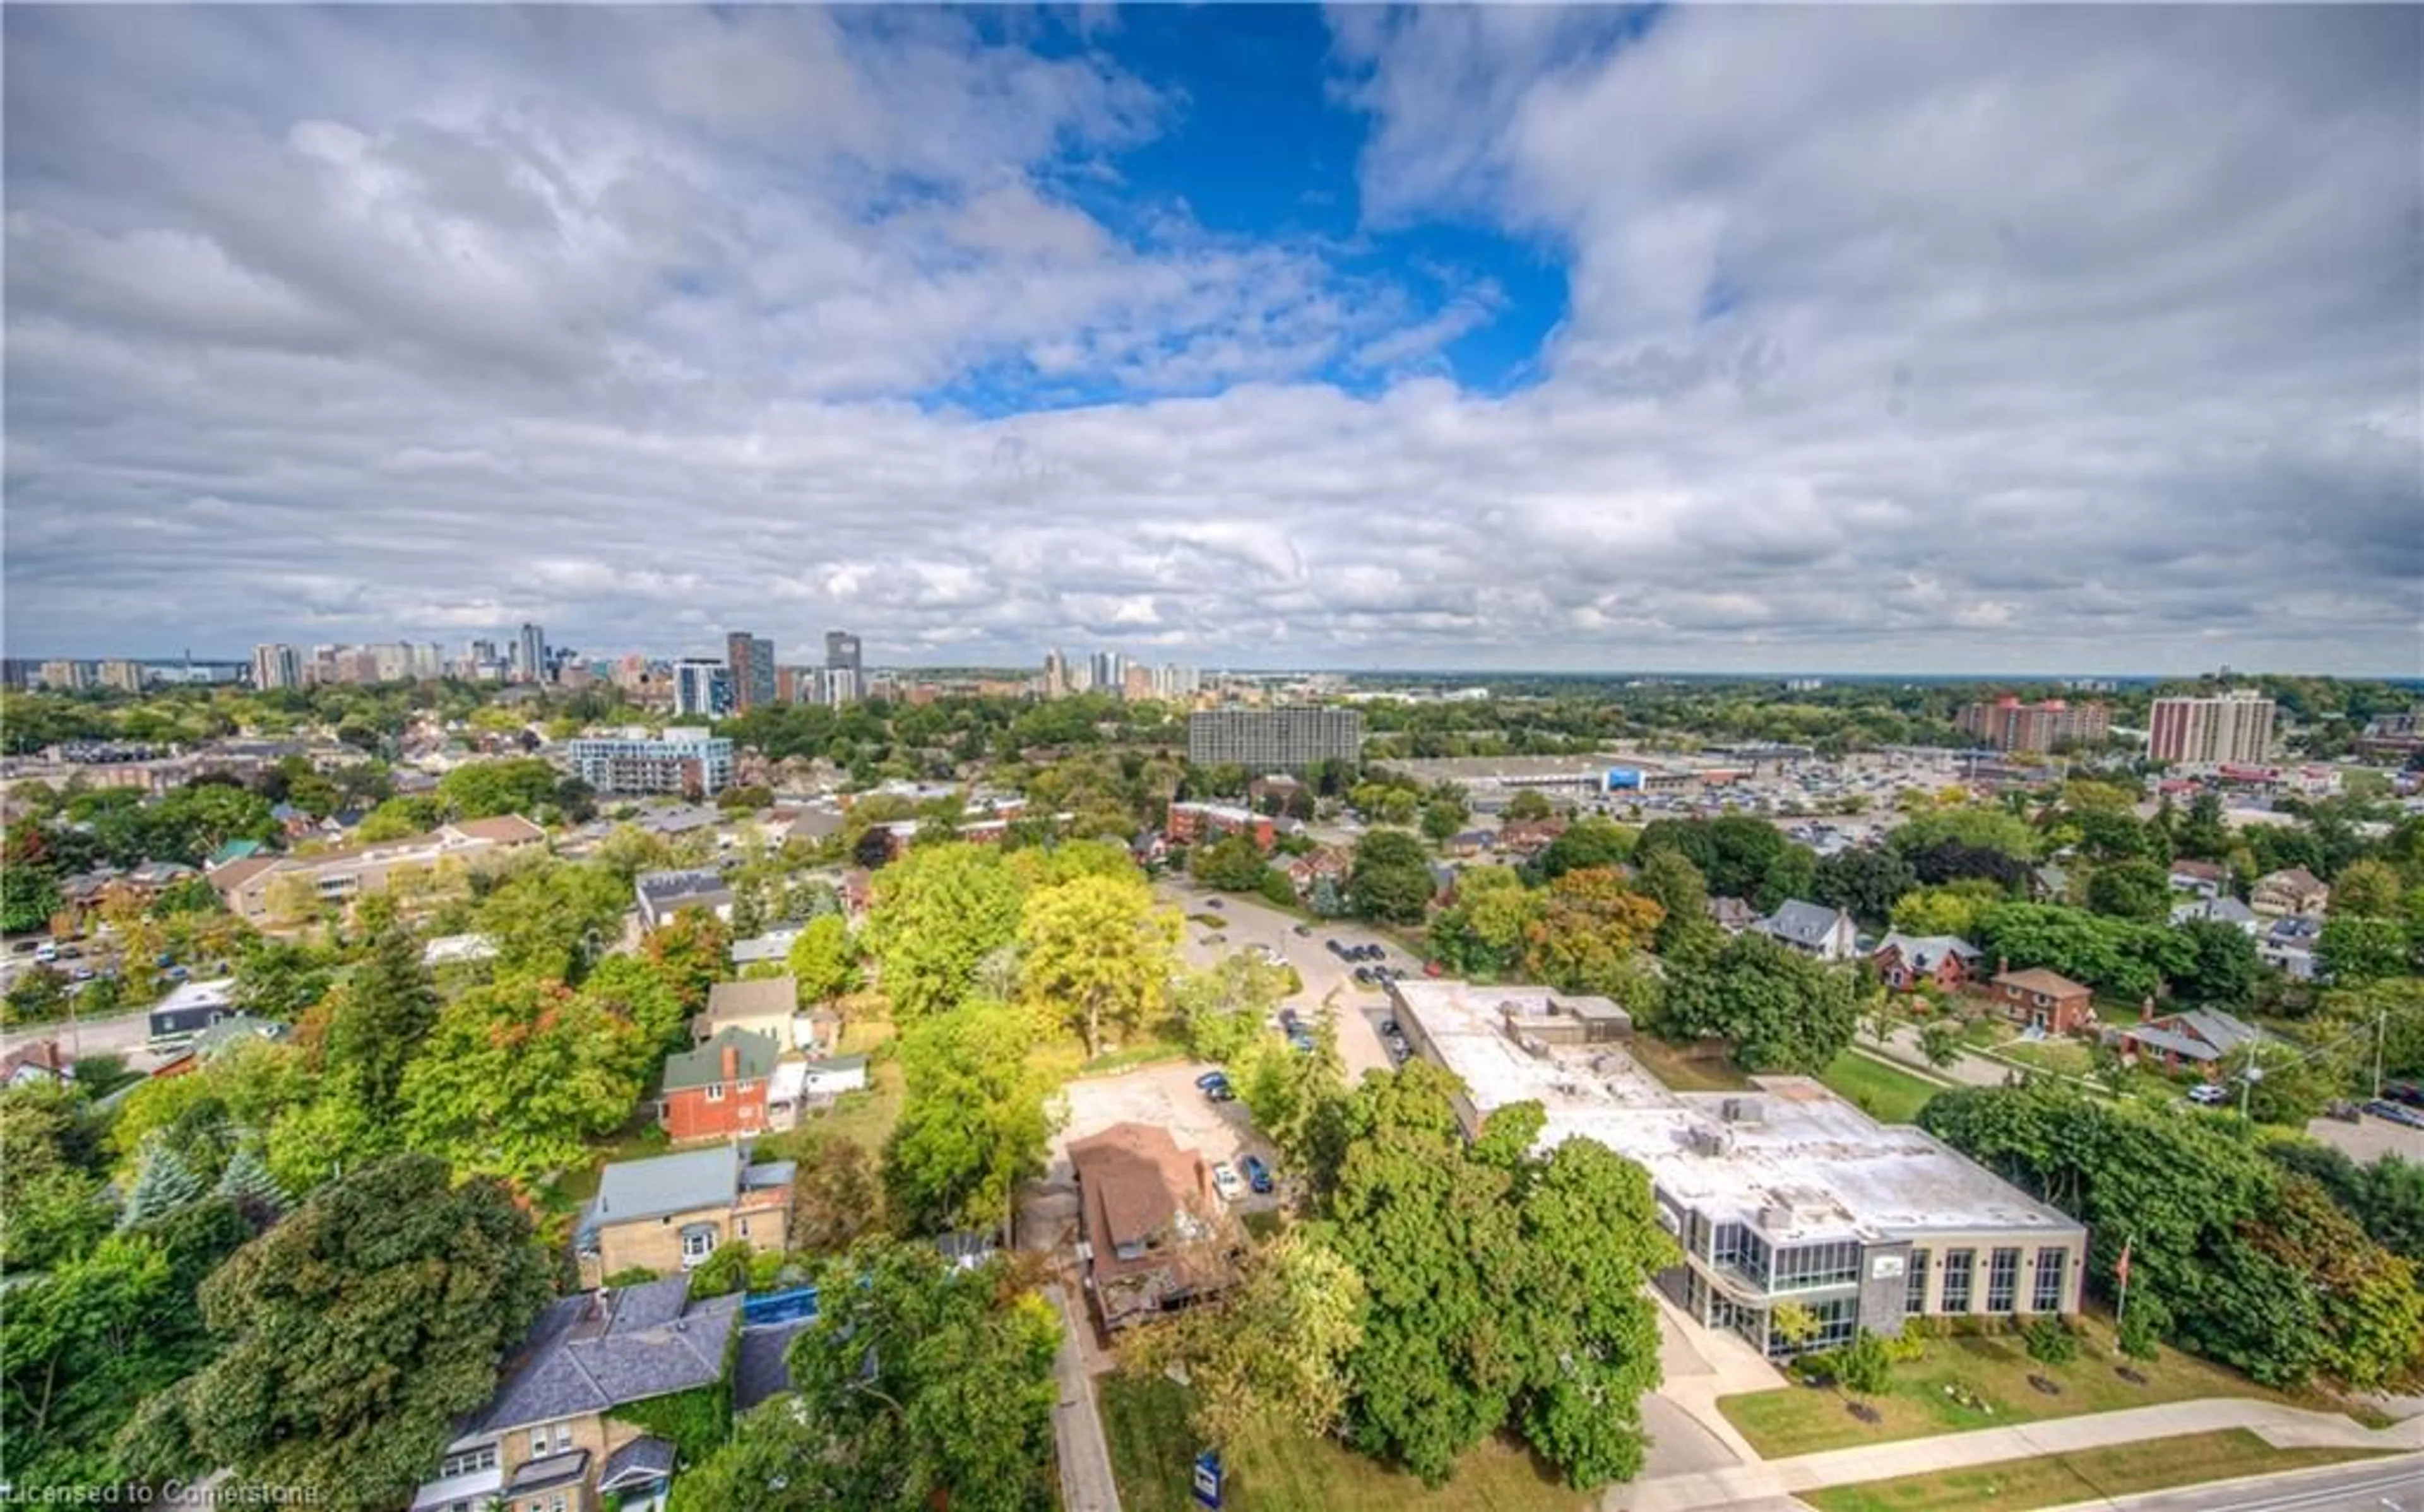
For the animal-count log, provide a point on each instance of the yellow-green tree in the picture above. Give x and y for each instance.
(939, 911)
(1097, 952)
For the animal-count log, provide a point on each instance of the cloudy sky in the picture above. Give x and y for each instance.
(1940, 338)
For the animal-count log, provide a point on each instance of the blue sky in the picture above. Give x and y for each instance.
(1710, 338)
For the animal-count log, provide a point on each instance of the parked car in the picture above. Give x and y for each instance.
(2208, 1094)
(1258, 1175)
(177, 973)
(1373, 952)
(1364, 975)
(1304, 932)
(1214, 939)
(2344, 1110)
(2391, 1112)
(2404, 1092)
(1211, 1079)
(1300, 1041)
(1337, 950)
(1216, 902)
(83, 974)
(1389, 1029)
(1290, 1020)
(1432, 968)
(1225, 1181)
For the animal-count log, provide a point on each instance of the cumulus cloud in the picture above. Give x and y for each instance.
(1958, 339)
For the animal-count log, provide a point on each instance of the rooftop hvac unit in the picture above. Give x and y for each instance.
(1533, 1044)
(1744, 1110)
(1705, 1139)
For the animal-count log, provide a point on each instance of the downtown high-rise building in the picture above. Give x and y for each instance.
(276, 665)
(1056, 673)
(702, 689)
(2235, 728)
(2008, 725)
(842, 651)
(1108, 672)
(750, 660)
(530, 655)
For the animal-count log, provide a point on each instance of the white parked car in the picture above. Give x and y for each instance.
(2210, 1094)
(1226, 1180)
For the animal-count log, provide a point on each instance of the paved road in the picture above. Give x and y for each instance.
(2284, 1427)
(1252, 922)
(2366, 1486)
(122, 1034)
(1086, 1481)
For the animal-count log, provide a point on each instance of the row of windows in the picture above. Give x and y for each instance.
(1807, 1266)
(484, 1458)
(2002, 1281)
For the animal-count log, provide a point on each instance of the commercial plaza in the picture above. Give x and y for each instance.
(1784, 1193)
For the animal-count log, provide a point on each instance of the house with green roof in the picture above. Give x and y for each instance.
(718, 1089)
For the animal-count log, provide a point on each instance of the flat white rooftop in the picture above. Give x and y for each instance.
(1803, 1164)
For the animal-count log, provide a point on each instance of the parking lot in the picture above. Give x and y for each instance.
(2369, 1139)
(1250, 924)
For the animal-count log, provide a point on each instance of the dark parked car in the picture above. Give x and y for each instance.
(1373, 952)
(1289, 1021)
(1211, 1079)
(1220, 1093)
(2396, 1113)
(1216, 902)
(1258, 1175)
(1304, 931)
(1364, 975)
(2398, 1092)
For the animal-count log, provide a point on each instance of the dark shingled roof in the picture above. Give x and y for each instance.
(760, 1371)
(638, 1463)
(594, 1352)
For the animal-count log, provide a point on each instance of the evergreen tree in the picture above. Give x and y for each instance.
(162, 1184)
(247, 1181)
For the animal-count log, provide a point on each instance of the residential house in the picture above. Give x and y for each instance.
(664, 894)
(771, 949)
(2288, 946)
(1733, 915)
(42, 1061)
(139, 885)
(234, 1028)
(762, 1005)
(718, 1091)
(1828, 934)
(2296, 892)
(799, 1087)
(1203, 823)
(2050, 884)
(675, 821)
(2199, 1037)
(1305, 873)
(2206, 879)
(1468, 843)
(195, 1006)
(1523, 839)
(549, 1440)
(1909, 962)
(2041, 999)
(2223, 909)
(250, 886)
(1143, 1205)
(242, 850)
(670, 1212)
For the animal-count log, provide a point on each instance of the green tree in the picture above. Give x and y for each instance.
(823, 960)
(281, 980)
(2223, 967)
(837, 1199)
(1782, 1011)
(376, 1019)
(1390, 879)
(162, 1184)
(1528, 805)
(356, 1333)
(396, 818)
(974, 1122)
(1941, 1043)
(2137, 889)
(1441, 818)
(938, 911)
(1269, 1362)
(2355, 949)
(2202, 833)
(1667, 876)
(484, 789)
(1097, 954)
(1865, 882)
(29, 897)
(552, 920)
(1951, 907)
(517, 1074)
(246, 1182)
(1224, 1007)
(1233, 864)
(1482, 933)
(1589, 844)
(2368, 888)
(1588, 932)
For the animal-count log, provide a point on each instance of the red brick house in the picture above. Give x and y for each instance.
(2041, 999)
(718, 1091)
(1202, 823)
(1910, 961)
(1305, 871)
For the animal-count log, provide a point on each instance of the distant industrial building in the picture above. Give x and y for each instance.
(1782, 1194)
(2009, 724)
(687, 761)
(2234, 727)
(1274, 739)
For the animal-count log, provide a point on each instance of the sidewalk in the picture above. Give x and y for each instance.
(1902, 1048)
(1086, 1481)
(2284, 1427)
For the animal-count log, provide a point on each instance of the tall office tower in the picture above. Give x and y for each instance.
(1110, 673)
(1056, 673)
(530, 655)
(392, 663)
(276, 666)
(2236, 728)
(702, 689)
(842, 651)
(751, 661)
(842, 685)
(126, 677)
(1137, 685)
(429, 662)
(1275, 740)
(66, 677)
(2008, 725)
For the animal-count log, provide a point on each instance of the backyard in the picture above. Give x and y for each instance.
(1883, 1093)
(1152, 1454)
(2083, 1475)
(1799, 1420)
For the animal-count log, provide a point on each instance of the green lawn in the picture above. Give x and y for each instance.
(1695, 1068)
(2064, 1057)
(1153, 1454)
(2087, 1476)
(1886, 1094)
(1799, 1420)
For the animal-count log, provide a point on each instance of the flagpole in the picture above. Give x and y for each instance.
(2121, 1271)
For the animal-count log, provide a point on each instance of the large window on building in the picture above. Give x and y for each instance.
(1958, 1266)
(2053, 1266)
(1839, 1319)
(1915, 1301)
(1739, 1250)
(2003, 1282)
(1805, 1267)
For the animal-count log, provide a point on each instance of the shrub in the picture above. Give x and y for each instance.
(2051, 1344)
(722, 1272)
(1864, 1365)
(2141, 1329)
(1909, 1346)
(631, 1276)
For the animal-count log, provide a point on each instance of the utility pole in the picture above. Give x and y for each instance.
(2380, 1028)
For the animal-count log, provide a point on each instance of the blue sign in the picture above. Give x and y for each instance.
(1208, 1478)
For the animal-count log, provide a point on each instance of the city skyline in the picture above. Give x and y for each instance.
(1464, 340)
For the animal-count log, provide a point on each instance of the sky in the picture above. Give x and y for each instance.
(1933, 340)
